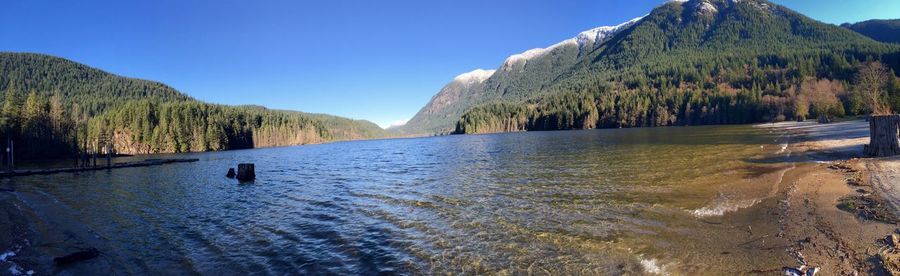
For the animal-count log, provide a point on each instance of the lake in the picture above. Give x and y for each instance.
(592, 201)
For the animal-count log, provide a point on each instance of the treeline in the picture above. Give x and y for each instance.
(41, 127)
(35, 124)
(54, 108)
(620, 106)
(190, 126)
(750, 61)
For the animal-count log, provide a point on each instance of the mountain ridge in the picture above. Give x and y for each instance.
(426, 122)
(884, 30)
(698, 62)
(54, 107)
(644, 54)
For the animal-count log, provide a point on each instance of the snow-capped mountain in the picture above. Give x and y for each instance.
(535, 65)
(584, 41)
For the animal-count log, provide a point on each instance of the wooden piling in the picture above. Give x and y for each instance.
(246, 172)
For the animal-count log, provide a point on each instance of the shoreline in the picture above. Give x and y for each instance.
(843, 207)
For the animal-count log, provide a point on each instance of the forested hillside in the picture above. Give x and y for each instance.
(884, 30)
(52, 107)
(517, 78)
(445, 108)
(698, 62)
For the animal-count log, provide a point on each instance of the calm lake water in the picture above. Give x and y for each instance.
(594, 201)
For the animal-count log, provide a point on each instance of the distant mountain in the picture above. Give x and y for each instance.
(884, 30)
(685, 63)
(53, 107)
(448, 105)
(515, 79)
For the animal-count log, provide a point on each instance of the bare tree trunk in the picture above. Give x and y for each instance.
(884, 135)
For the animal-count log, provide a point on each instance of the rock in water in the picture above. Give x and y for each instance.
(230, 173)
(246, 172)
(77, 256)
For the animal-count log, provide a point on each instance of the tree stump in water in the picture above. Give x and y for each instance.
(230, 173)
(246, 172)
(884, 137)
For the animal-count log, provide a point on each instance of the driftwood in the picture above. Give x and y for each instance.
(246, 172)
(884, 137)
(77, 257)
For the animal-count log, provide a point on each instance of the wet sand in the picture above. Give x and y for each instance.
(832, 233)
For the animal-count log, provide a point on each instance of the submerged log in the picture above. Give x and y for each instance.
(77, 257)
(230, 173)
(246, 172)
(884, 136)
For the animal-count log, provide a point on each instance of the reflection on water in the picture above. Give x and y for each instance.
(599, 201)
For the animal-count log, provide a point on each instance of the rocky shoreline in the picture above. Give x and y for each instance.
(38, 228)
(15, 238)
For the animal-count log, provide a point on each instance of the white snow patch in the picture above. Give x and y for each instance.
(397, 123)
(590, 36)
(525, 56)
(478, 75)
(601, 33)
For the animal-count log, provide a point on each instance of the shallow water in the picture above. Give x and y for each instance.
(593, 201)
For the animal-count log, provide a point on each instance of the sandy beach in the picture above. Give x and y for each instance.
(844, 141)
(845, 206)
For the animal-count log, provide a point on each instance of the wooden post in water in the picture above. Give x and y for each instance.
(8, 152)
(884, 136)
(246, 172)
(108, 156)
(12, 156)
(6, 155)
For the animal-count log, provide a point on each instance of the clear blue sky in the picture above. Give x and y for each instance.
(374, 60)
